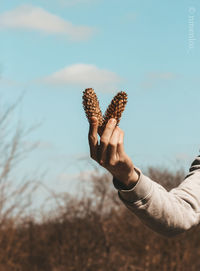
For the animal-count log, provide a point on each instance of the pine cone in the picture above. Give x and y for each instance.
(91, 105)
(116, 107)
(114, 110)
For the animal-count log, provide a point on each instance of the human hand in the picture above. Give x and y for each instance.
(110, 153)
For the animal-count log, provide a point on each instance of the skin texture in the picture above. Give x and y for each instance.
(109, 152)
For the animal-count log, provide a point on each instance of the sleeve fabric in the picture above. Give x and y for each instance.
(167, 213)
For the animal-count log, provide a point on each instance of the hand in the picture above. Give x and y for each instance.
(110, 152)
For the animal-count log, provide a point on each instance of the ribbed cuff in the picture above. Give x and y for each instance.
(140, 191)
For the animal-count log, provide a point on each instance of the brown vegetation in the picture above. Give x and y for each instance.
(89, 233)
(95, 233)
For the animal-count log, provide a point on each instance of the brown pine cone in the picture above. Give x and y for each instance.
(91, 105)
(114, 110)
(116, 107)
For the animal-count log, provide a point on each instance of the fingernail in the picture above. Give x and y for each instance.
(93, 120)
(112, 121)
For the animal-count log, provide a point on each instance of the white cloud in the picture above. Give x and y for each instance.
(84, 75)
(28, 17)
(66, 3)
(74, 2)
(153, 79)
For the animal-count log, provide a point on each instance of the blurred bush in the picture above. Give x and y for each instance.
(93, 232)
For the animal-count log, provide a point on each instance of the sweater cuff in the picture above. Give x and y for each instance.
(140, 191)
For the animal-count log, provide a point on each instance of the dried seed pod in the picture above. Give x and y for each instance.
(116, 107)
(91, 105)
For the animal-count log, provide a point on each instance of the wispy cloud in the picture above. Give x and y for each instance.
(28, 17)
(84, 75)
(154, 79)
(7, 82)
(73, 2)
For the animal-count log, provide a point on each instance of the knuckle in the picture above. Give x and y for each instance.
(91, 138)
(103, 140)
(120, 143)
(112, 162)
(112, 144)
(121, 160)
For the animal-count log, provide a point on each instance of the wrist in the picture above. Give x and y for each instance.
(133, 179)
(129, 183)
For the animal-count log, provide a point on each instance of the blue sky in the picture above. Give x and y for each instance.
(53, 50)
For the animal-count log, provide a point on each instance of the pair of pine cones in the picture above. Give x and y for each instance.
(114, 110)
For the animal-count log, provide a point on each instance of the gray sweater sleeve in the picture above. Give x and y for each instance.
(167, 213)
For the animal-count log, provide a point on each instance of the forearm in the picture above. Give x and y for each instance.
(167, 213)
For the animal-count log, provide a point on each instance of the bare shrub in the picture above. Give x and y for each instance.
(90, 232)
(166, 177)
(15, 197)
(94, 232)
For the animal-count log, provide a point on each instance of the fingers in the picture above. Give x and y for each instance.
(120, 146)
(105, 140)
(112, 147)
(92, 138)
